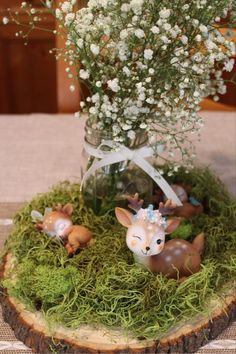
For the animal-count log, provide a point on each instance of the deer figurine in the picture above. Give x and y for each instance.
(54, 222)
(145, 237)
(57, 223)
(190, 208)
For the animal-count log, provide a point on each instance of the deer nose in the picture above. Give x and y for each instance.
(147, 248)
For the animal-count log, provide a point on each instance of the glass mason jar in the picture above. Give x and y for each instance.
(109, 186)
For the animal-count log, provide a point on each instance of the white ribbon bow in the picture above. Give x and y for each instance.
(122, 153)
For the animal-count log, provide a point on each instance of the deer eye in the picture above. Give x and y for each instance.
(137, 237)
(159, 241)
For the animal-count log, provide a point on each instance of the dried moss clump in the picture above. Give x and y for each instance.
(102, 284)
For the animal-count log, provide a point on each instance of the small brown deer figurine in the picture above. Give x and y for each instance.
(190, 208)
(54, 222)
(57, 223)
(146, 239)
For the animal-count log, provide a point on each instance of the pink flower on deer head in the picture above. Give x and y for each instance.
(146, 230)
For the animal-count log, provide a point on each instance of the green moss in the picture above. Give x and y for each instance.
(102, 284)
(184, 231)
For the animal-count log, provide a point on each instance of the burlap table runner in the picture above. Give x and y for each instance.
(224, 344)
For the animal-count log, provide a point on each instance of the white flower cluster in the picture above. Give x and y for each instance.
(147, 63)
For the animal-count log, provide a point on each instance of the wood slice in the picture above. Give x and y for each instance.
(32, 329)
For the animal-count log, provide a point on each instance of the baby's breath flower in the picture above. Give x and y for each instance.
(195, 22)
(136, 5)
(184, 39)
(167, 26)
(80, 43)
(125, 7)
(124, 34)
(93, 110)
(185, 7)
(131, 134)
(198, 38)
(66, 7)
(95, 98)
(164, 13)
(77, 115)
(145, 64)
(83, 74)
(114, 85)
(165, 39)
(143, 126)
(203, 29)
(126, 127)
(196, 94)
(139, 33)
(58, 14)
(94, 49)
(126, 71)
(69, 18)
(82, 104)
(155, 30)
(49, 3)
(229, 65)
(148, 54)
(5, 20)
(98, 83)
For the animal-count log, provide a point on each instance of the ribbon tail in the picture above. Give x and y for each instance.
(157, 177)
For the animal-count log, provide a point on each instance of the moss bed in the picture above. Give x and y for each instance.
(102, 285)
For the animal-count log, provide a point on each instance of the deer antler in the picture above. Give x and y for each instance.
(134, 202)
(167, 208)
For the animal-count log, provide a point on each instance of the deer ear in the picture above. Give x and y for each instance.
(172, 225)
(68, 209)
(124, 216)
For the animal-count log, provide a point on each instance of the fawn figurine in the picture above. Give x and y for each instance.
(57, 223)
(54, 222)
(146, 239)
(190, 208)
